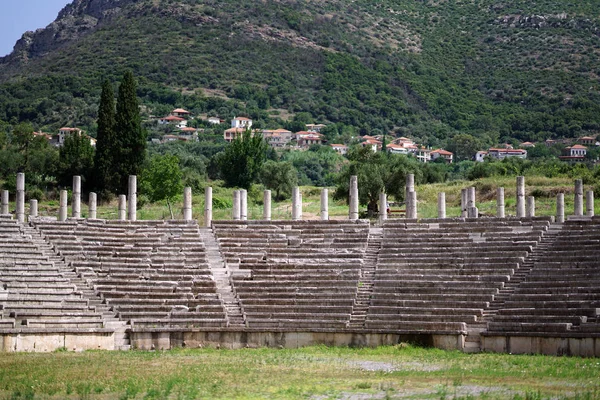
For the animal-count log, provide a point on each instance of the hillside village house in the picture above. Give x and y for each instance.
(315, 127)
(501, 154)
(423, 154)
(527, 144)
(64, 132)
(574, 153)
(587, 141)
(306, 139)
(233, 133)
(445, 154)
(214, 120)
(241, 122)
(340, 148)
(277, 138)
(178, 122)
(238, 127)
(180, 112)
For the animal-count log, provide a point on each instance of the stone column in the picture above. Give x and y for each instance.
(187, 203)
(132, 206)
(463, 203)
(589, 203)
(411, 205)
(410, 186)
(441, 205)
(122, 207)
(382, 207)
(236, 205)
(530, 212)
(5, 209)
(500, 202)
(560, 208)
(324, 204)
(472, 211)
(520, 196)
(353, 212)
(76, 197)
(578, 206)
(296, 204)
(244, 205)
(20, 197)
(62, 208)
(267, 205)
(33, 208)
(208, 207)
(92, 205)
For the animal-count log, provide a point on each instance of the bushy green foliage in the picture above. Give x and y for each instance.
(242, 160)
(280, 177)
(76, 157)
(377, 172)
(162, 179)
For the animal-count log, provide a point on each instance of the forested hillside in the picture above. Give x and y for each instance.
(428, 69)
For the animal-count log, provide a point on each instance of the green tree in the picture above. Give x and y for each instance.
(464, 146)
(161, 180)
(128, 129)
(242, 160)
(22, 139)
(280, 177)
(75, 157)
(377, 172)
(107, 145)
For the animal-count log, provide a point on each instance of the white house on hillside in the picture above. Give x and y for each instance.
(241, 122)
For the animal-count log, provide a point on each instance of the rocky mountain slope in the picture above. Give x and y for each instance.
(431, 69)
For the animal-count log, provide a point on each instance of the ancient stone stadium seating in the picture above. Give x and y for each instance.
(556, 308)
(153, 274)
(41, 307)
(511, 285)
(298, 275)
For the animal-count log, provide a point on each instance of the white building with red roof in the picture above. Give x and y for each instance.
(503, 153)
(241, 122)
(173, 120)
(180, 112)
(445, 154)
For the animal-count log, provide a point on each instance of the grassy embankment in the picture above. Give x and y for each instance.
(544, 190)
(315, 372)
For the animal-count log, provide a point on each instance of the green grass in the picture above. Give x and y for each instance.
(315, 372)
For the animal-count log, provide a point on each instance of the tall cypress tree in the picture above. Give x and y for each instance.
(105, 162)
(128, 128)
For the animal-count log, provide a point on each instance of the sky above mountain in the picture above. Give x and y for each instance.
(17, 17)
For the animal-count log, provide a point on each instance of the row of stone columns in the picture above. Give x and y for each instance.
(128, 210)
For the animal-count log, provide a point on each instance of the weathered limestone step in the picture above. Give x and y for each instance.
(222, 272)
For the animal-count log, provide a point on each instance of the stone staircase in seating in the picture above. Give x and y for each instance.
(222, 273)
(365, 284)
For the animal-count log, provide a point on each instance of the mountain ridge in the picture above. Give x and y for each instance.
(511, 69)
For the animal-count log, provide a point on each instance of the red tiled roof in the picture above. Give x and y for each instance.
(172, 118)
(442, 152)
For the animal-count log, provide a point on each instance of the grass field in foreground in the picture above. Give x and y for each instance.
(309, 373)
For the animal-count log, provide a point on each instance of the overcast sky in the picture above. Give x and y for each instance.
(19, 16)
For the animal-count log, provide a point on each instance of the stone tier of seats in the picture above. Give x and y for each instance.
(442, 274)
(561, 294)
(154, 274)
(35, 293)
(299, 274)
